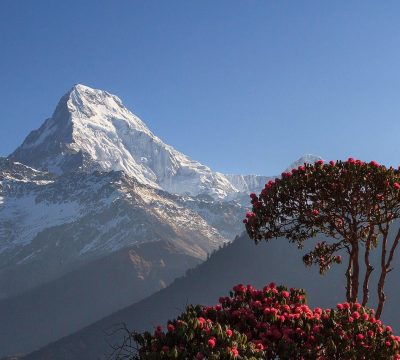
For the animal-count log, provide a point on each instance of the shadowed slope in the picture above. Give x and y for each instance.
(87, 294)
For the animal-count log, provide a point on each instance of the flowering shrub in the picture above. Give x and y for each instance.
(272, 323)
(353, 203)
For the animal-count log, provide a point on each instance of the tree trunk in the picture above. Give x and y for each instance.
(381, 293)
(368, 272)
(385, 268)
(348, 278)
(382, 277)
(355, 272)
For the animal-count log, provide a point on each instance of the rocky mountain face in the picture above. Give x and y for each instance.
(92, 182)
(51, 225)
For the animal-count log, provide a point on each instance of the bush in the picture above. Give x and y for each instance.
(272, 323)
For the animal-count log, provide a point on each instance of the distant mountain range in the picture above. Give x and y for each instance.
(93, 191)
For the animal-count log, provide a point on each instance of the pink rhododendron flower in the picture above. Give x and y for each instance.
(212, 342)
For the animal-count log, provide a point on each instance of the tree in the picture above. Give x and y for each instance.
(271, 323)
(353, 203)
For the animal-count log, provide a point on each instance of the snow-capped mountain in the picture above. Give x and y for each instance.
(93, 180)
(92, 130)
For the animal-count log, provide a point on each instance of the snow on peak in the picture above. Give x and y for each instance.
(99, 107)
(92, 130)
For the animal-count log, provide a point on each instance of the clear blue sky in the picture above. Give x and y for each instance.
(242, 86)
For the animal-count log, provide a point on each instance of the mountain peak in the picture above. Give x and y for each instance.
(84, 102)
(305, 159)
(83, 92)
(82, 87)
(92, 95)
(92, 130)
(86, 90)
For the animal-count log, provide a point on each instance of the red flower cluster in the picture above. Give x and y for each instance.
(272, 323)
